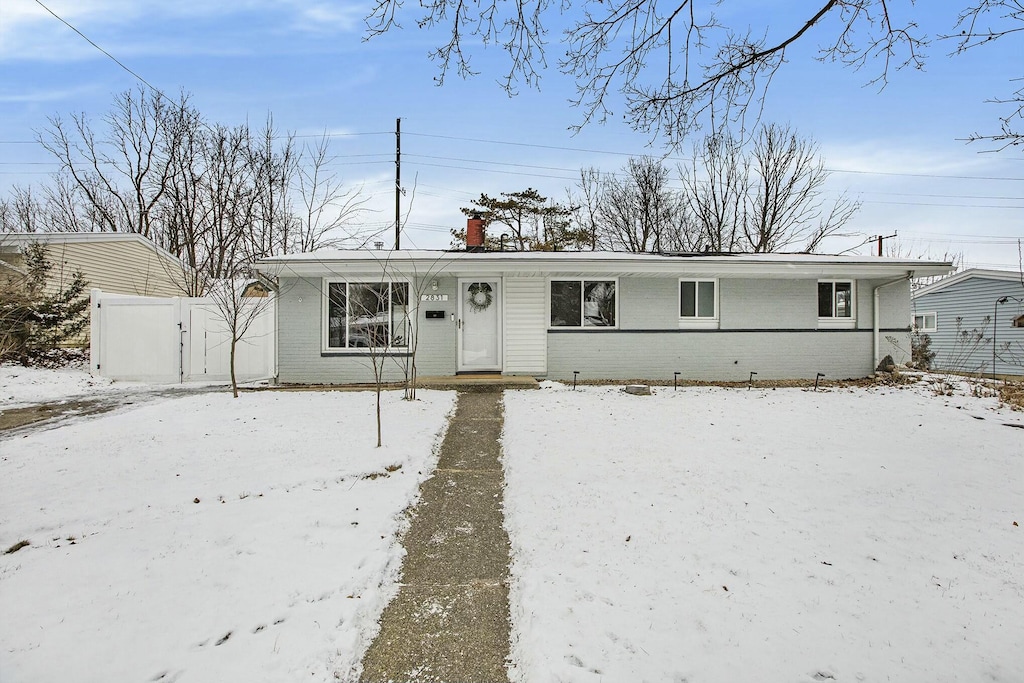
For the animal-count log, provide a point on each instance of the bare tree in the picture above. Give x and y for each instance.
(585, 203)
(768, 198)
(898, 248)
(327, 208)
(274, 166)
(637, 211)
(241, 301)
(980, 23)
(786, 206)
(22, 211)
(123, 173)
(678, 66)
(715, 188)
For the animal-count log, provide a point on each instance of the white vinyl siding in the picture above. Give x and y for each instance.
(965, 310)
(526, 348)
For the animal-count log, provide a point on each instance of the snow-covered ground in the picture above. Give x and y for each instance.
(20, 386)
(207, 538)
(730, 535)
(701, 535)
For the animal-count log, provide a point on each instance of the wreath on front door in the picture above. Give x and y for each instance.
(481, 296)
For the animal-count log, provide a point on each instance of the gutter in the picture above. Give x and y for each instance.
(908, 276)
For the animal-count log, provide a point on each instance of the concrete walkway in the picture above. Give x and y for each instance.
(450, 620)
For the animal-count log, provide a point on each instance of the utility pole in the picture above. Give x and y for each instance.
(398, 184)
(880, 238)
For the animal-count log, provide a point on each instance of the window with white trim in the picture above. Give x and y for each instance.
(367, 315)
(925, 322)
(835, 300)
(583, 303)
(698, 300)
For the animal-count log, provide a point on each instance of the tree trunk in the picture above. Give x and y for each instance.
(378, 414)
(234, 382)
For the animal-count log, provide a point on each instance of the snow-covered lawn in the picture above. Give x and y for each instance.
(206, 538)
(21, 386)
(730, 535)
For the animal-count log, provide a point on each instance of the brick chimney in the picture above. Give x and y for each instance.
(474, 233)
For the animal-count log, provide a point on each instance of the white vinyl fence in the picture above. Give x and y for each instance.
(174, 340)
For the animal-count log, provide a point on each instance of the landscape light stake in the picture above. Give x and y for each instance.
(819, 376)
(750, 381)
(574, 374)
(995, 327)
(675, 380)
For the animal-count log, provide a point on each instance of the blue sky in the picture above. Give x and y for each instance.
(899, 150)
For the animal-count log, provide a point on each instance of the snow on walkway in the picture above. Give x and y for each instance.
(21, 386)
(208, 538)
(727, 535)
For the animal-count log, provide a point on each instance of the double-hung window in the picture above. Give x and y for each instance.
(925, 322)
(835, 303)
(698, 303)
(367, 315)
(583, 303)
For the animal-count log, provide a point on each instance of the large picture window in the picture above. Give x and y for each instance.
(835, 299)
(583, 303)
(367, 315)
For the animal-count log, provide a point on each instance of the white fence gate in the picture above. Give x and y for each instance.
(173, 340)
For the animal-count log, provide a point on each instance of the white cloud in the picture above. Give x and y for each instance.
(328, 18)
(39, 96)
(136, 27)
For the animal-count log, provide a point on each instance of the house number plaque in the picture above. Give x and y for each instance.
(434, 297)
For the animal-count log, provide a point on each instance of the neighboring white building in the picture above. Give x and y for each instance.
(975, 320)
(116, 262)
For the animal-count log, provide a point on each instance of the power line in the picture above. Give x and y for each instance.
(534, 145)
(922, 175)
(88, 40)
(667, 158)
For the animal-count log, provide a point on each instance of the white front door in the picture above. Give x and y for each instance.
(479, 324)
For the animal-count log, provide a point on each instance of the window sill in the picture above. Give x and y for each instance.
(837, 323)
(577, 328)
(698, 323)
(363, 353)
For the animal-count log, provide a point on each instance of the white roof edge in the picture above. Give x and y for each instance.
(797, 265)
(1007, 275)
(20, 239)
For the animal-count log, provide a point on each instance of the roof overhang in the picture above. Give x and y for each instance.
(473, 264)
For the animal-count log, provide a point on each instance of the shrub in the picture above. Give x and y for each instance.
(921, 353)
(34, 323)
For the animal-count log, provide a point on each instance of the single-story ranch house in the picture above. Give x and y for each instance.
(604, 315)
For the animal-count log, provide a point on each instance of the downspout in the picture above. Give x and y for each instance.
(908, 276)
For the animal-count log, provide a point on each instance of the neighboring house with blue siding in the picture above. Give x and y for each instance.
(974, 318)
(607, 315)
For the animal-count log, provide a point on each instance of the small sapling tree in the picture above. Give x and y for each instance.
(241, 302)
